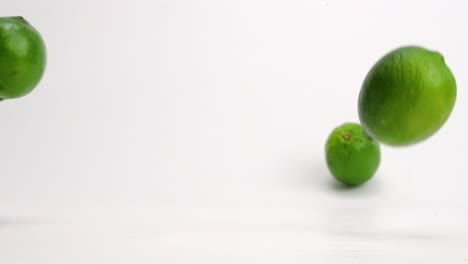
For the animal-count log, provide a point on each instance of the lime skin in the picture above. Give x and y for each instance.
(352, 156)
(407, 96)
(22, 57)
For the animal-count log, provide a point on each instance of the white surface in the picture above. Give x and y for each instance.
(193, 132)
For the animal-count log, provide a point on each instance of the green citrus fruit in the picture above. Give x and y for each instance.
(407, 96)
(22, 57)
(352, 156)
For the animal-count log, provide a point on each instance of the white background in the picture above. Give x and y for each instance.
(193, 132)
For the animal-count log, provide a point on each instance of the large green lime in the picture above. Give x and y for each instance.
(407, 96)
(22, 57)
(352, 156)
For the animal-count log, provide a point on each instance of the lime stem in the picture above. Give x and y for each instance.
(347, 136)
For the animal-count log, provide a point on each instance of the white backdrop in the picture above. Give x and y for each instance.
(193, 132)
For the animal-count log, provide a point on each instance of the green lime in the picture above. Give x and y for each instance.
(407, 96)
(352, 156)
(22, 57)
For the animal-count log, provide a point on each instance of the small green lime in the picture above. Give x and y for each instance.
(352, 156)
(22, 57)
(407, 96)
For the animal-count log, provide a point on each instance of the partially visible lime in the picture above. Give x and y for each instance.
(22, 57)
(352, 156)
(407, 96)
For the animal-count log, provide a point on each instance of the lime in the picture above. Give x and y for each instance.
(407, 96)
(22, 57)
(352, 156)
